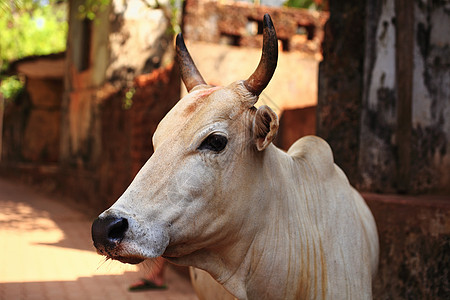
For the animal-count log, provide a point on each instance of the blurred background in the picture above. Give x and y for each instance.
(84, 84)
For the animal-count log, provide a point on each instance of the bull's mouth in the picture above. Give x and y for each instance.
(126, 259)
(130, 259)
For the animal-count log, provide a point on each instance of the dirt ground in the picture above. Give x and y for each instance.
(47, 253)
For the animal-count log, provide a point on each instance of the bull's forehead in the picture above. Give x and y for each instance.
(201, 108)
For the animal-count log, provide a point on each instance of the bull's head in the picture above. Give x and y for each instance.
(196, 190)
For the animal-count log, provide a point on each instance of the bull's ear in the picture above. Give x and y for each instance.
(265, 127)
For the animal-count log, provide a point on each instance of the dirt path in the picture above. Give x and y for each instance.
(46, 252)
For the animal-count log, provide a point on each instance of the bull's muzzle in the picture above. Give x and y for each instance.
(108, 233)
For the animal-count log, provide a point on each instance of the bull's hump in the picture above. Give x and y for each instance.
(315, 151)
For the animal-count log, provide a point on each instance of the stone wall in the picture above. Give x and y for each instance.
(341, 83)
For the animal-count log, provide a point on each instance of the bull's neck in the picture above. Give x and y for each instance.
(284, 248)
(264, 257)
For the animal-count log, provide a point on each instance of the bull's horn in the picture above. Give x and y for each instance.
(258, 81)
(189, 72)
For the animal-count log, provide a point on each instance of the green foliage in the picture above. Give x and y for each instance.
(42, 30)
(127, 101)
(175, 16)
(10, 86)
(29, 27)
(306, 4)
(91, 8)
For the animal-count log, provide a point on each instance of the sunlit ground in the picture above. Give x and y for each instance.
(47, 253)
(27, 236)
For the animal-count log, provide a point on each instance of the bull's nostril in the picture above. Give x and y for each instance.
(118, 229)
(108, 232)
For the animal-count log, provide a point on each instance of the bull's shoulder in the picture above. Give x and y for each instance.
(315, 152)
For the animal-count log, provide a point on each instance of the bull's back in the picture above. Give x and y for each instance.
(346, 218)
(370, 231)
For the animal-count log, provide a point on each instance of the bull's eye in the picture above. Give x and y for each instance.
(214, 142)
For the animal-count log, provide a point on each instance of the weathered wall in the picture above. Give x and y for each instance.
(430, 144)
(377, 156)
(87, 58)
(405, 146)
(32, 123)
(103, 57)
(139, 41)
(383, 107)
(384, 94)
(341, 83)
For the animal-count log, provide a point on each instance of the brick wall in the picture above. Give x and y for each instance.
(127, 133)
(240, 24)
(32, 123)
(125, 145)
(156, 94)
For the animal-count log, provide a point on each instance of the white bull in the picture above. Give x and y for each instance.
(219, 196)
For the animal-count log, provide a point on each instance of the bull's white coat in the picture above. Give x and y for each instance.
(264, 223)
